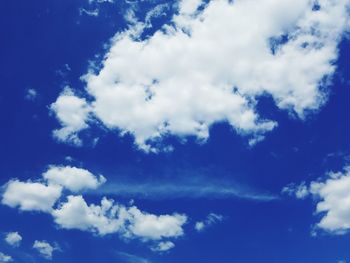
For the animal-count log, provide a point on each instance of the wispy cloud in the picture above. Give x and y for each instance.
(129, 258)
(186, 188)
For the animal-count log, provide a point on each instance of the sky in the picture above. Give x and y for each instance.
(194, 131)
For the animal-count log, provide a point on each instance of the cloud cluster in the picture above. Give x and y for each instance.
(108, 217)
(211, 64)
(42, 195)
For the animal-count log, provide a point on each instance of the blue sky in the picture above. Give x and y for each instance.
(185, 131)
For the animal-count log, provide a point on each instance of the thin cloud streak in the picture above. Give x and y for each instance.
(178, 190)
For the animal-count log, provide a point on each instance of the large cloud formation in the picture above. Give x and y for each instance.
(211, 65)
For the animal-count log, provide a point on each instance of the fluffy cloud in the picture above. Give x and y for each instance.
(5, 258)
(42, 195)
(149, 226)
(72, 113)
(44, 248)
(108, 218)
(72, 178)
(31, 196)
(332, 195)
(212, 66)
(334, 201)
(210, 220)
(13, 238)
(77, 214)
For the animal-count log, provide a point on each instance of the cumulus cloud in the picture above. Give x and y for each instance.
(5, 258)
(14, 239)
(150, 226)
(77, 214)
(73, 113)
(31, 196)
(44, 248)
(334, 206)
(211, 66)
(109, 217)
(73, 178)
(332, 195)
(42, 195)
(210, 220)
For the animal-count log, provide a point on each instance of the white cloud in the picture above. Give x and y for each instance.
(109, 217)
(332, 195)
(210, 220)
(31, 196)
(72, 178)
(5, 258)
(210, 67)
(300, 191)
(150, 226)
(42, 195)
(13, 238)
(77, 214)
(44, 248)
(73, 113)
(163, 246)
(334, 202)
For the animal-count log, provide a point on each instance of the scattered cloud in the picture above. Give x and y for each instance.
(5, 258)
(45, 249)
(163, 246)
(210, 76)
(31, 94)
(109, 217)
(210, 220)
(93, 12)
(300, 191)
(14, 239)
(129, 258)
